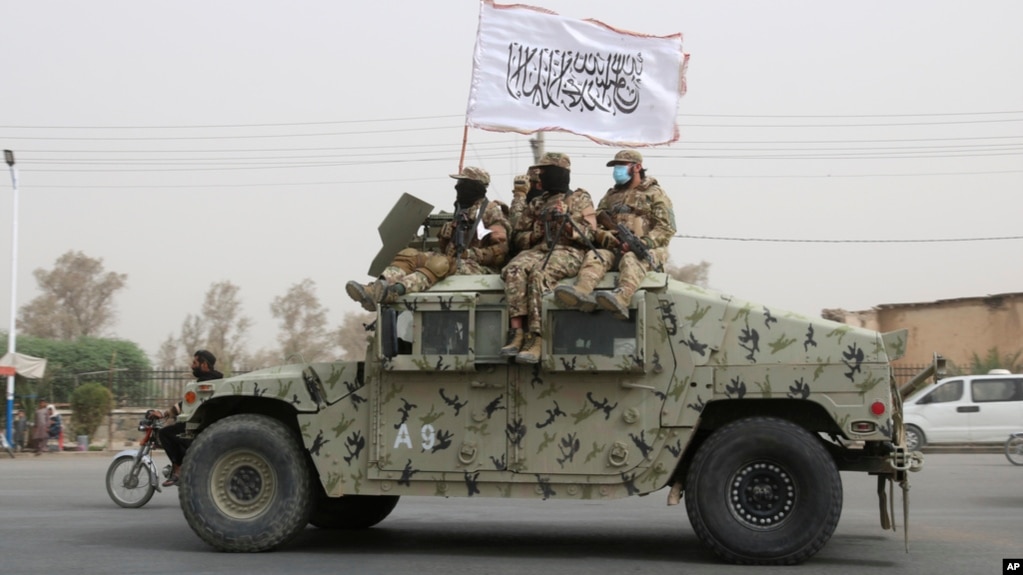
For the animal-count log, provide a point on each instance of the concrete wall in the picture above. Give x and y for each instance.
(955, 328)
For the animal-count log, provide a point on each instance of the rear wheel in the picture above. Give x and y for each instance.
(245, 484)
(763, 491)
(915, 438)
(1014, 449)
(128, 485)
(352, 511)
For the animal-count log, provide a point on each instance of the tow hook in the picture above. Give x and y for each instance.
(903, 459)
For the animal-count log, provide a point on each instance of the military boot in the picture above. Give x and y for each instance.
(578, 296)
(614, 301)
(392, 293)
(514, 343)
(368, 295)
(531, 349)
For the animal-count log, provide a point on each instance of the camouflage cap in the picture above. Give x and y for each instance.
(473, 173)
(627, 157)
(554, 159)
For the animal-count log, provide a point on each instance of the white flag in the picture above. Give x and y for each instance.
(536, 71)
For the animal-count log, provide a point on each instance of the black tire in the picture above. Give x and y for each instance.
(352, 511)
(763, 491)
(1014, 449)
(245, 484)
(128, 489)
(915, 438)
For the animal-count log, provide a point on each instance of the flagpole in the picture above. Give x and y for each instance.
(9, 158)
(465, 140)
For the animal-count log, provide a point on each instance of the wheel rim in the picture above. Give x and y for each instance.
(130, 483)
(912, 439)
(1014, 450)
(243, 484)
(761, 495)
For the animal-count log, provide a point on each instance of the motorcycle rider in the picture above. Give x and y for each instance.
(170, 435)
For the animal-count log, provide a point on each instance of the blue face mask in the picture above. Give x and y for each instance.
(621, 174)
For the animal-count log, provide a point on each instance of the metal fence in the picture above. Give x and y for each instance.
(148, 388)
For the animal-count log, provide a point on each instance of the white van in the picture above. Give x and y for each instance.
(966, 409)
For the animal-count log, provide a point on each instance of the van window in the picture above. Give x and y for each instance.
(988, 390)
(949, 391)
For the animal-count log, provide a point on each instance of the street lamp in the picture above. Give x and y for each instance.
(9, 158)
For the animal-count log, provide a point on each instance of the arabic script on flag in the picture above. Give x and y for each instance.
(536, 71)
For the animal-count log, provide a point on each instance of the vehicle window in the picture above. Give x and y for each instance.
(490, 331)
(989, 390)
(592, 334)
(446, 332)
(949, 391)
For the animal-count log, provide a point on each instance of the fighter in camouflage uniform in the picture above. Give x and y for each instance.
(525, 190)
(553, 230)
(470, 244)
(641, 205)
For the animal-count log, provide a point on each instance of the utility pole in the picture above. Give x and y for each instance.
(9, 158)
(537, 145)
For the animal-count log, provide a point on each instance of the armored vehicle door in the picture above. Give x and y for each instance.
(592, 406)
(443, 400)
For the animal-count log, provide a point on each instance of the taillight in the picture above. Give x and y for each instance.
(877, 408)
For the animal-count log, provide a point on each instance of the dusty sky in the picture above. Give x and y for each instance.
(261, 142)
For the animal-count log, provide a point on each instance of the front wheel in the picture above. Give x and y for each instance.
(1014, 449)
(245, 484)
(763, 491)
(129, 485)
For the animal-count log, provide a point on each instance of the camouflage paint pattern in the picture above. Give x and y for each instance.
(607, 413)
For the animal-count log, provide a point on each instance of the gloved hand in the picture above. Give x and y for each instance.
(605, 239)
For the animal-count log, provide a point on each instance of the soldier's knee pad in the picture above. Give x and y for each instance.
(437, 267)
(407, 260)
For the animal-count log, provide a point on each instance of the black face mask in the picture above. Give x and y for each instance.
(197, 371)
(468, 191)
(534, 192)
(554, 179)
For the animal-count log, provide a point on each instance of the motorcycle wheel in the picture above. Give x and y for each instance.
(126, 488)
(1014, 449)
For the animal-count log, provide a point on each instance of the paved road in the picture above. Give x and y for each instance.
(56, 518)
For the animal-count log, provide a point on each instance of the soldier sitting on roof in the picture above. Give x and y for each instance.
(474, 242)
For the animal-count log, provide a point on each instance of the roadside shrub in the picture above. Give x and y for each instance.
(90, 402)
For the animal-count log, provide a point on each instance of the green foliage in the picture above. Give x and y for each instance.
(121, 361)
(90, 402)
(993, 359)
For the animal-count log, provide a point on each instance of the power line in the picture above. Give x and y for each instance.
(848, 241)
(682, 114)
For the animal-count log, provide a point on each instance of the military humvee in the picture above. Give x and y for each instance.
(745, 411)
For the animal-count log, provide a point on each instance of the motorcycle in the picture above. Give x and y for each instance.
(132, 477)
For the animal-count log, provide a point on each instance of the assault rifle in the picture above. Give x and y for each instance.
(625, 236)
(562, 218)
(465, 228)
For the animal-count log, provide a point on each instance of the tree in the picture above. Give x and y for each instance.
(696, 274)
(352, 336)
(303, 323)
(223, 323)
(167, 357)
(117, 363)
(77, 299)
(90, 402)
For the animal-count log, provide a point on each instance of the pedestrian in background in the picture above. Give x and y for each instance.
(41, 430)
